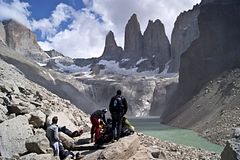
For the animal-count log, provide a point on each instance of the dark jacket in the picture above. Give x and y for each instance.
(100, 115)
(122, 109)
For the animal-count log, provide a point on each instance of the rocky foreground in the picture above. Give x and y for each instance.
(26, 107)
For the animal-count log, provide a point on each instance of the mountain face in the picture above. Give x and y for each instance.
(156, 47)
(2, 33)
(53, 53)
(23, 40)
(216, 50)
(111, 50)
(147, 52)
(185, 31)
(133, 45)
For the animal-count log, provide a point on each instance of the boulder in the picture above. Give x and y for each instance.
(3, 116)
(68, 142)
(122, 149)
(34, 156)
(63, 120)
(13, 135)
(38, 144)
(141, 154)
(37, 119)
(231, 150)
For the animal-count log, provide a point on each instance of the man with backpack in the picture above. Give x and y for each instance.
(118, 108)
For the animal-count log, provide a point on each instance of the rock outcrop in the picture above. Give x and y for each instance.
(23, 40)
(13, 135)
(215, 51)
(133, 44)
(156, 46)
(2, 33)
(111, 50)
(54, 53)
(231, 150)
(185, 31)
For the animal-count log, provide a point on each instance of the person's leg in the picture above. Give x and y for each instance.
(119, 126)
(55, 147)
(97, 132)
(113, 126)
(93, 128)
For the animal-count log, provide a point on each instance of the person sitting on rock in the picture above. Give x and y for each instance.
(127, 128)
(55, 143)
(71, 134)
(97, 118)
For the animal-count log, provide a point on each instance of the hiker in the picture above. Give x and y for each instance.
(118, 108)
(127, 128)
(55, 143)
(97, 119)
(70, 133)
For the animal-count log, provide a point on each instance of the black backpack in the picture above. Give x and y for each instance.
(118, 103)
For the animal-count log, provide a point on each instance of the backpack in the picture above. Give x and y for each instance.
(118, 103)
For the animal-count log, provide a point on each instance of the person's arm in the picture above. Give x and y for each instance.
(111, 105)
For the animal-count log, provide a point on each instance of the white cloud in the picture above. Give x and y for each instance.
(84, 37)
(15, 10)
(49, 26)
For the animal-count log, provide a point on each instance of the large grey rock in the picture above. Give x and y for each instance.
(37, 119)
(133, 45)
(111, 50)
(3, 116)
(13, 134)
(34, 156)
(23, 40)
(185, 31)
(231, 150)
(63, 120)
(68, 142)
(38, 144)
(123, 149)
(156, 47)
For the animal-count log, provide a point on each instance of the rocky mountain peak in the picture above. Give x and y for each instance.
(23, 40)
(111, 50)
(54, 53)
(133, 38)
(156, 46)
(110, 40)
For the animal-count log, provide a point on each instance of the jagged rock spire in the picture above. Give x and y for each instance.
(133, 37)
(111, 50)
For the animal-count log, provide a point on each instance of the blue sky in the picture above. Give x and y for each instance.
(77, 28)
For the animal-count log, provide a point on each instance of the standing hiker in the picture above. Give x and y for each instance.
(118, 108)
